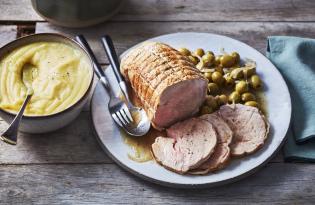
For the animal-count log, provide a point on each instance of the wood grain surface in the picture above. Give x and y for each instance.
(7, 34)
(17, 10)
(69, 167)
(189, 10)
(107, 184)
(73, 144)
(127, 34)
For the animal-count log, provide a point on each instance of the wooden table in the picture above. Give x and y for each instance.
(69, 167)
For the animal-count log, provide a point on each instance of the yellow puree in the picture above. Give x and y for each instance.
(58, 73)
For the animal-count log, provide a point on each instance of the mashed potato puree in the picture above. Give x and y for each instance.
(59, 74)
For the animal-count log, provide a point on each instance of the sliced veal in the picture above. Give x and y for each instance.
(221, 155)
(189, 144)
(248, 125)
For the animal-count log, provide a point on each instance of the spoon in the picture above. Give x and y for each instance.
(140, 123)
(10, 134)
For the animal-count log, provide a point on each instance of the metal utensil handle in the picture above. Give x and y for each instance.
(112, 56)
(113, 59)
(97, 67)
(10, 135)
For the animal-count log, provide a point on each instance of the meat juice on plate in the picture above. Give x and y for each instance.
(141, 146)
(261, 99)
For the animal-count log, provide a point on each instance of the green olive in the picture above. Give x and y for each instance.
(211, 102)
(208, 59)
(193, 59)
(206, 110)
(248, 97)
(217, 60)
(209, 53)
(221, 99)
(208, 75)
(219, 69)
(229, 81)
(241, 87)
(252, 103)
(234, 97)
(227, 61)
(213, 88)
(184, 51)
(199, 52)
(249, 71)
(217, 78)
(236, 57)
(237, 73)
(255, 82)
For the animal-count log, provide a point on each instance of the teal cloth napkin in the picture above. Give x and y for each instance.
(295, 59)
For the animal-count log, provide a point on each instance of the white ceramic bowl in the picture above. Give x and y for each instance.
(47, 123)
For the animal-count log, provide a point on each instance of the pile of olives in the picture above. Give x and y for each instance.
(229, 79)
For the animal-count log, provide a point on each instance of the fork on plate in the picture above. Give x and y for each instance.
(116, 106)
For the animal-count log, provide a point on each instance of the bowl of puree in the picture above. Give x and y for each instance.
(60, 73)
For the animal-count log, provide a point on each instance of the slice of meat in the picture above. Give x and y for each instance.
(165, 82)
(218, 160)
(248, 125)
(221, 155)
(189, 144)
(225, 134)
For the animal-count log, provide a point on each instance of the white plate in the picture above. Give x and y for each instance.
(278, 106)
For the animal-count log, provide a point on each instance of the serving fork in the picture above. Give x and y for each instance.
(117, 107)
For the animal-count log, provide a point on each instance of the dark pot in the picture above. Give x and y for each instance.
(76, 13)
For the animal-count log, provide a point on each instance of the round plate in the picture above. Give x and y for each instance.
(278, 107)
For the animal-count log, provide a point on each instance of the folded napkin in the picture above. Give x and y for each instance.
(295, 59)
